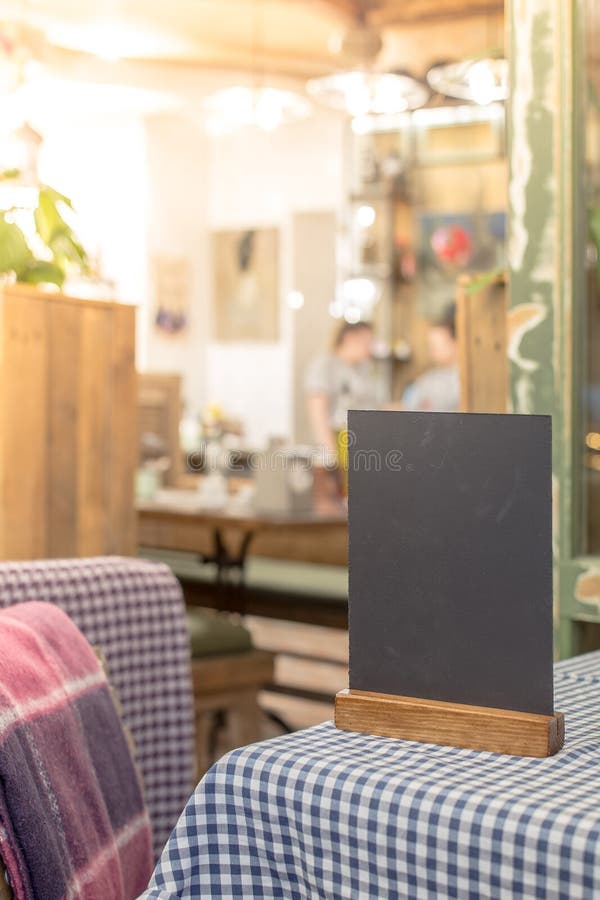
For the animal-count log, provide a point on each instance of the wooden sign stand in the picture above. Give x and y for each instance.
(439, 623)
(450, 724)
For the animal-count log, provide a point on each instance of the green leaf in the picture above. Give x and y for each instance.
(594, 223)
(482, 281)
(15, 254)
(594, 227)
(56, 232)
(40, 271)
(66, 248)
(56, 196)
(9, 174)
(48, 219)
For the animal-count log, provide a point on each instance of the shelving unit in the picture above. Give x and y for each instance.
(441, 166)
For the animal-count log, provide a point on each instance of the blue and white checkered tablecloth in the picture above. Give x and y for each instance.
(328, 814)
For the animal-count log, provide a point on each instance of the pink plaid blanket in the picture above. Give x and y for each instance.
(72, 818)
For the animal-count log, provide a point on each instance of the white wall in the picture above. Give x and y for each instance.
(159, 185)
(102, 168)
(259, 179)
(177, 184)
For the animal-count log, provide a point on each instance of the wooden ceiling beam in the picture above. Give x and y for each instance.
(293, 69)
(266, 56)
(345, 11)
(414, 12)
(222, 56)
(291, 51)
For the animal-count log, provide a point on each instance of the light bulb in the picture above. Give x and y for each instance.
(365, 216)
(387, 99)
(359, 292)
(352, 314)
(482, 83)
(268, 114)
(295, 299)
(358, 95)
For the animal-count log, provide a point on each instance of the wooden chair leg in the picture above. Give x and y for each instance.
(204, 726)
(244, 720)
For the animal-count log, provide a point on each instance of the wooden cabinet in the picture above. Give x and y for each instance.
(68, 430)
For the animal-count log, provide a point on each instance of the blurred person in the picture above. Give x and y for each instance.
(438, 389)
(341, 380)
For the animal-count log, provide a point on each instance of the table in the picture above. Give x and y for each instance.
(255, 565)
(227, 537)
(328, 814)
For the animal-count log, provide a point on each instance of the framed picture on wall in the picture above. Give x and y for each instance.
(246, 284)
(172, 278)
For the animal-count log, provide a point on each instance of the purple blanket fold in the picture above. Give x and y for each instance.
(72, 818)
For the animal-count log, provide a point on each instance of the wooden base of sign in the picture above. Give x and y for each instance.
(450, 724)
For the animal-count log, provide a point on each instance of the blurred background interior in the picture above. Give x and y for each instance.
(224, 223)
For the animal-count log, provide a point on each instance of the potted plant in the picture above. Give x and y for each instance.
(51, 252)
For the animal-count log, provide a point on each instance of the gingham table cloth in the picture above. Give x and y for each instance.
(328, 814)
(134, 612)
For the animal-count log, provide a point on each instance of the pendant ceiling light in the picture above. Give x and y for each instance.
(361, 90)
(482, 81)
(256, 105)
(363, 93)
(266, 108)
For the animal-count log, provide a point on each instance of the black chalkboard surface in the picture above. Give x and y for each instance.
(451, 557)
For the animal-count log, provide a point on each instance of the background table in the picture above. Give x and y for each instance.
(285, 573)
(328, 814)
(228, 538)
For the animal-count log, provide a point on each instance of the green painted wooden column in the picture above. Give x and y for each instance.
(546, 262)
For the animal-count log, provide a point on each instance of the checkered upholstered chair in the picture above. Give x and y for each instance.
(73, 820)
(133, 611)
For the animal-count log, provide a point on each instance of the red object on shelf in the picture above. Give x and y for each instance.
(452, 244)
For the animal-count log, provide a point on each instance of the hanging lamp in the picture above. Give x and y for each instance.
(361, 90)
(256, 105)
(482, 80)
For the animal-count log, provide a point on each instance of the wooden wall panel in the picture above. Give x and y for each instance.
(63, 410)
(94, 433)
(68, 434)
(23, 428)
(123, 452)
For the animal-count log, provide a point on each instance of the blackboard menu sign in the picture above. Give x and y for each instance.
(451, 557)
